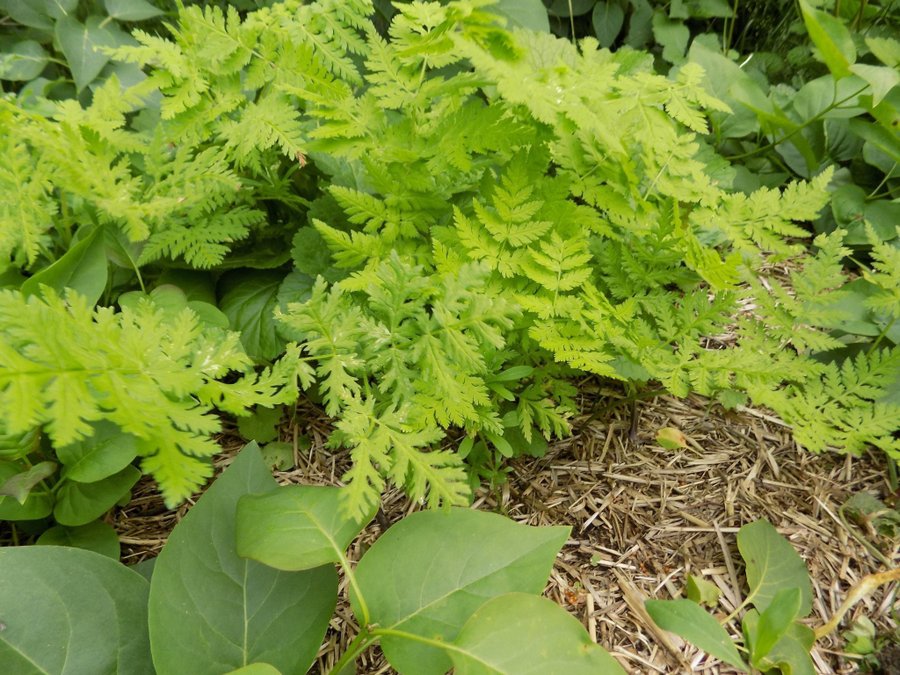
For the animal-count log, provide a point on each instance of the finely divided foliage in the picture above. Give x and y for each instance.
(500, 210)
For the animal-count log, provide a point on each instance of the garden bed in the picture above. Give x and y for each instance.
(642, 518)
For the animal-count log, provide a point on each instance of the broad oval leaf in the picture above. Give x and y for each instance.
(248, 298)
(66, 610)
(687, 619)
(608, 18)
(82, 268)
(23, 61)
(428, 574)
(91, 459)
(80, 503)
(772, 565)
(98, 537)
(256, 669)
(295, 527)
(212, 611)
(80, 43)
(529, 14)
(520, 633)
(131, 10)
(567, 8)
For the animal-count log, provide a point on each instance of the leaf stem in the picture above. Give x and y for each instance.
(431, 642)
(799, 128)
(354, 584)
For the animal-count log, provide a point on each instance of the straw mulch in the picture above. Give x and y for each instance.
(641, 517)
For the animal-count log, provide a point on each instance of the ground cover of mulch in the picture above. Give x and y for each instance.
(642, 518)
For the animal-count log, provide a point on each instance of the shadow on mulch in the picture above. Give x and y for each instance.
(642, 518)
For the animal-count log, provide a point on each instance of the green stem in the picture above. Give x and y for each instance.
(883, 181)
(440, 644)
(354, 584)
(795, 131)
(572, 22)
(730, 29)
(360, 644)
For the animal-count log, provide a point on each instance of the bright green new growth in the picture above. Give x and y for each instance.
(64, 365)
(500, 212)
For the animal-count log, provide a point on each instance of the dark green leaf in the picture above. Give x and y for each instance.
(212, 611)
(529, 14)
(195, 285)
(98, 537)
(28, 13)
(261, 425)
(687, 619)
(108, 451)
(518, 633)
(310, 253)
(772, 565)
(80, 43)
(567, 8)
(640, 24)
(279, 455)
(59, 8)
(80, 503)
(248, 299)
(428, 573)
(131, 10)
(66, 610)
(673, 35)
(23, 61)
(82, 268)
(295, 527)
(608, 18)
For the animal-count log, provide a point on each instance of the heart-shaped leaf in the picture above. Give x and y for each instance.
(66, 610)
(295, 527)
(428, 573)
(212, 611)
(520, 633)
